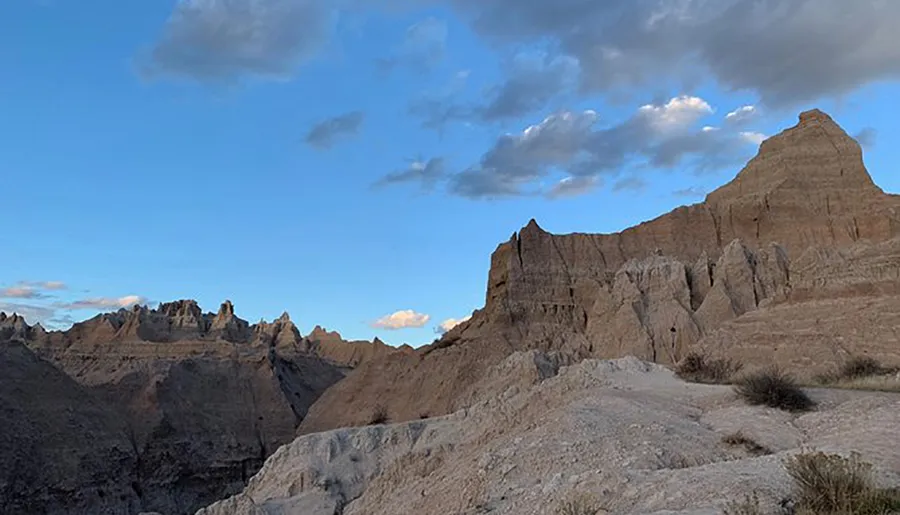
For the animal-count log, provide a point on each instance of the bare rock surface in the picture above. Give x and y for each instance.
(625, 432)
(794, 260)
(63, 450)
(200, 400)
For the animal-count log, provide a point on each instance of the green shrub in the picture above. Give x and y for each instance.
(774, 388)
(697, 368)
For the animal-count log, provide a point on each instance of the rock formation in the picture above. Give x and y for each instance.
(756, 249)
(625, 433)
(200, 400)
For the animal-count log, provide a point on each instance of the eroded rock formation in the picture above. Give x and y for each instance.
(757, 248)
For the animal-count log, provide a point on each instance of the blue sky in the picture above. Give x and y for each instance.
(345, 161)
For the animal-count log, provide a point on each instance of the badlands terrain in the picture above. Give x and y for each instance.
(561, 386)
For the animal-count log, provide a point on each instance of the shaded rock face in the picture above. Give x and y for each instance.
(63, 450)
(198, 400)
(658, 289)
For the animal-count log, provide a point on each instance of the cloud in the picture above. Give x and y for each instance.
(33, 314)
(518, 159)
(754, 137)
(572, 187)
(742, 115)
(630, 184)
(31, 289)
(104, 303)
(227, 39)
(426, 173)
(450, 323)
(656, 136)
(423, 47)
(405, 319)
(690, 192)
(866, 137)
(532, 81)
(744, 45)
(20, 292)
(323, 134)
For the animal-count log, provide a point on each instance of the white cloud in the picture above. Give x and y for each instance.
(677, 113)
(742, 114)
(755, 138)
(450, 323)
(404, 319)
(105, 303)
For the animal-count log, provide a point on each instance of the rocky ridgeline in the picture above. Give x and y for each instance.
(795, 260)
(169, 409)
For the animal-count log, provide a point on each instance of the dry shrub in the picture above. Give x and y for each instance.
(379, 415)
(833, 484)
(738, 439)
(773, 388)
(854, 369)
(580, 505)
(748, 506)
(697, 368)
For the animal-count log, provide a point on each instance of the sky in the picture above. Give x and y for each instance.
(355, 162)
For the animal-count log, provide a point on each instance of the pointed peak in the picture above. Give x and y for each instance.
(531, 228)
(815, 115)
(284, 318)
(226, 309)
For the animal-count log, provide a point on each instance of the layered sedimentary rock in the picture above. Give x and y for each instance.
(201, 400)
(658, 289)
(625, 434)
(63, 450)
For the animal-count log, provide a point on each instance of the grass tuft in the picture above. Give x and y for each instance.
(773, 388)
(837, 485)
(738, 439)
(379, 415)
(580, 505)
(697, 368)
(748, 506)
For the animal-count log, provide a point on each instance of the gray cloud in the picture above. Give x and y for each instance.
(423, 47)
(656, 136)
(426, 173)
(866, 137)
(32, 313)
(531, 83)
(630, 184)
(532, 80)
(572, 187)
(690, 192)
(786, 52)
(323, 134)
(226, 39)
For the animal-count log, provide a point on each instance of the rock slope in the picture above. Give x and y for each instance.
(740, 269)
(201, 400)
(625, 432)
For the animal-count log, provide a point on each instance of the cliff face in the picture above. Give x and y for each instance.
(194, 402)
(658, 289)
